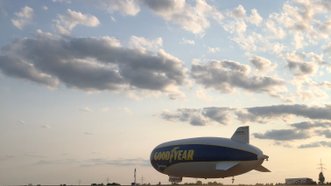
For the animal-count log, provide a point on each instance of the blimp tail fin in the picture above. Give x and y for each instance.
(262, 169)
(241, 135)
(226, 165)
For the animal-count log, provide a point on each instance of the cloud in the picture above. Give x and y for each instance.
(90, 64)
(326, 133)
(144, 45)
(311, 125)
(126, 7)
(228, 75)
(95, 162)
(187, 41)
(190, 18)
(13, 66)
(283, 144)
(202, 94)
(193, 116)
(308, 90)
(236, 27)
(238, 21)
(62, 1)
(262, 64)
(316, 144)
(239, 12)
(283, 135)
(117, 162)
(200, 117)
(274, 29)
(311, 112)
(213, 49)
(218, 114)
(23, 17)
(64, 24)
(262, 114)
(318, 124)
(255, 17)
(299, 66)
(302, 25)
(68, 161)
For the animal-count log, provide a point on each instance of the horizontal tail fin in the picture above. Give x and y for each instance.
(262, 169)
(226, 165)
(241, 135)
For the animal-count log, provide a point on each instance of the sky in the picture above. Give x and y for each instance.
(89, 88)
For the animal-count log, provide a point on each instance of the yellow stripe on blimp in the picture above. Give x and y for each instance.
(175, 154)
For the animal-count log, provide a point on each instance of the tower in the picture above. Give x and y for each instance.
(321, 177)
(134, 183)
(135, 176)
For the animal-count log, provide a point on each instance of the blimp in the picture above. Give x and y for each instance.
(208, 157)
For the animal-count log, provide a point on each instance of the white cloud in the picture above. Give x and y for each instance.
(23, 17)
(225, 76)
(308, 90)
(64, 24)
(112, 41)
(318, 116)
(262, 64)
(213, 49)
(298, 40)
(316, 144)
(202, 94)
(126, 7)
(41, 33)
(144, 45)
(190, 18)
(187, 41)
(255, 17)
(302, 64)
(237, 26)
(91, 64)
(275, 30)
(62, 1)
(239, 12)
(283, 135)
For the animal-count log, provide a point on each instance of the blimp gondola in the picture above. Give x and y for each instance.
(208, 157)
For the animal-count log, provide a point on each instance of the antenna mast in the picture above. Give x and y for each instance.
(321, 177)
(135, 177)
(321, 166)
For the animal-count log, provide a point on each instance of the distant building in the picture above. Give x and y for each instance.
(299, 181)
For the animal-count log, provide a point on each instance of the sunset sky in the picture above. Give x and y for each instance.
(89, 88)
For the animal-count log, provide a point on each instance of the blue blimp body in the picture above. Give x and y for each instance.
(208, 157)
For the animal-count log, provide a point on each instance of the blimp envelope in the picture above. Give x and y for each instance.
(209, 157)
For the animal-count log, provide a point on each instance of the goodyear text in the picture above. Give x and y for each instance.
(174, 154)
